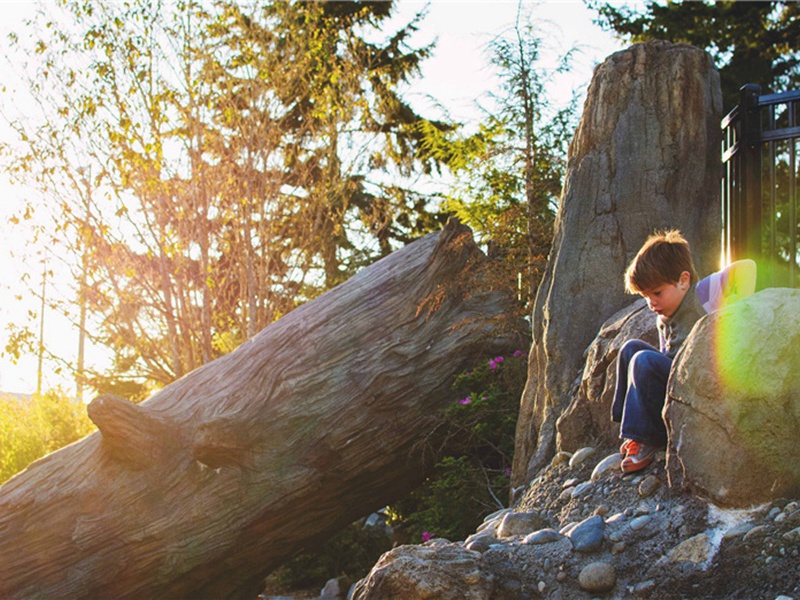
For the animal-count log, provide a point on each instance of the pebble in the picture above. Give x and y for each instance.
(520, 523)
(597, 577)
(737, 530)
(792, 536)
(601, 510)
(615, 517)
(560, 459)
(618, 548)
(649, 486)
(696, 550)
(640, 522)
(755, 531)
(480, 542)
(561, 576)
(588, 535)
(571, 482)
(609, 463)
(644, 588)
(580, 489)
(543, 536)
(580, 456)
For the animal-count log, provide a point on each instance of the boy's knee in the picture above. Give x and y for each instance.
(630, 348)
(644, 362)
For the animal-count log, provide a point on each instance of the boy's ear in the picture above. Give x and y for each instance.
(684, 281)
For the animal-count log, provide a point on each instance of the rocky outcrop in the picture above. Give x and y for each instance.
(645, 156)
(584, 531)
(733, 413)
(588, 416)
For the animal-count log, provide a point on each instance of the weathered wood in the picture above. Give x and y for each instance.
(223, 475)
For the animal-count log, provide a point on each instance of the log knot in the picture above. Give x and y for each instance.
(131, 433)
(222, 441)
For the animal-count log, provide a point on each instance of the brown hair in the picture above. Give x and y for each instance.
(661, 260)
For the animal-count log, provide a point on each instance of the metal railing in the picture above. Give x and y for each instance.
(759, 192)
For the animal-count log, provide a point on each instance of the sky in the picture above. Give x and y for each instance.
(457, 76)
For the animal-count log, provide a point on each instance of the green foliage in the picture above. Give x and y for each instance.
(211, 166)
(31, 428)
(750, 42)
(510, 172)
(477, 446)
(350, 554)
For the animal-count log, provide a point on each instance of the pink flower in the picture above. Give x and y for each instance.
(466, 400)
(426, 536)
(495, 362)
(507, 472)
(519, 353)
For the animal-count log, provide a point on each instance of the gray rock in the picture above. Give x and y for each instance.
(331, 591)
(738, 448)
(581, 455)
(697, 549)
(649, 486)
(543, 536)
(640, 522)
(581, 489)
(480, 542)
(597, 577)
(438, 570)
(519, 523)
(639, 161)
(737, 530)
(643, 589)
(792, 536)
(755, 532)
(588, 535)
(610, 463)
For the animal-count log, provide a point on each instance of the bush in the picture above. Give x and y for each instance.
(31, 428)
(472, 476)
(349, 555)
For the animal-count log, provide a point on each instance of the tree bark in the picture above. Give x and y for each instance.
(217, 479)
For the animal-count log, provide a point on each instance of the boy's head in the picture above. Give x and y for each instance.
(663, 258)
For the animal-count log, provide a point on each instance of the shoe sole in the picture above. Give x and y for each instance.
(628, 466)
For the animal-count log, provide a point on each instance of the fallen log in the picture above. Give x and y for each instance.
(217, 479)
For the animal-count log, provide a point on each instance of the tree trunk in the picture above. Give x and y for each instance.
(217, 479)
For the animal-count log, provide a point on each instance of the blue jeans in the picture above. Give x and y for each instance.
(642, 373)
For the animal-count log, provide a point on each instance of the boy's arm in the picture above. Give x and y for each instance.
(741, 280)
(732, 283)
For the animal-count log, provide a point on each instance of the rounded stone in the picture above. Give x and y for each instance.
(588, 535)
(608, 464)
(581, 455)
(543, 536)
(599, 577)
(649, 486)
(519, 523)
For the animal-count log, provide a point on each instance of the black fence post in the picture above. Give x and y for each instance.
(747, 225)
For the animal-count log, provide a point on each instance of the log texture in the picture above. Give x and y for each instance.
(217, 479)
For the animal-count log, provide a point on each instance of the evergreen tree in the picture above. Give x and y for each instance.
(750, 42)
(511, 171)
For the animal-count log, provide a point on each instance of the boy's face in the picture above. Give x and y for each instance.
(665, 299)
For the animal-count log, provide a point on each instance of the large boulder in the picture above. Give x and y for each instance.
(733, 409)
(588, 416)
(437, 570)
(645, 156)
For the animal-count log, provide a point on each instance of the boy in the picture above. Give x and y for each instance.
(663, 272)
